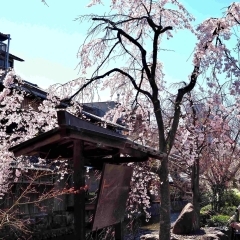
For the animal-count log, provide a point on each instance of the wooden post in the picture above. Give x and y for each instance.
(119, 231)
(79, 198)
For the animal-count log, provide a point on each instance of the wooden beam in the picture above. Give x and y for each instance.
(101, 140)
(134, 152)
(79, 198)
(98, 152)
(125, 159)
(31, 146)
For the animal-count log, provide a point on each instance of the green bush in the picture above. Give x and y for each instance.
(205, 215)
(205, 198)
(236, 191)
(205, 209)
(230, 201)
(218, 220)
(228, 210)
(232, 198)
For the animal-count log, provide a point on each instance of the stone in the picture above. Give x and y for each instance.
(149, 237)
(173, 238)
(209, 237)
(215, 236)
(186, 221)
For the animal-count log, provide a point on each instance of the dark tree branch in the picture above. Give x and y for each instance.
(227, 54)
(232, 14)
(155, 52)
(177, 109)
(120, 40)
(139, 86)
(148, 12)
(107, 74)
(166, 29)
(186, 89)
(132, 40)
(45, 3)
(106, 58)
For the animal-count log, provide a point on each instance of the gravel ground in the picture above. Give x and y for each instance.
(154, 227)
(149, 228)
(197, 235)
(141, 232)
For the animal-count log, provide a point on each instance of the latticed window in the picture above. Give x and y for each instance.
(3, 46)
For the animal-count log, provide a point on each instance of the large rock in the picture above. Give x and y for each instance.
(186, 221)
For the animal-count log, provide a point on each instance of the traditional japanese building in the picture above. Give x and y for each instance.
(6, 58)
(102, 145)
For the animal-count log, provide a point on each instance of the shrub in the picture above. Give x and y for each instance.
(206, 209)
(205, 198)
(228, 210)
(232, 198)
(205, 214)
(236, 191)
(218, 220)
(230, 201)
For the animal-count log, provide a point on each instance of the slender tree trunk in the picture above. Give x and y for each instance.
(165, 224)
(196, 192)
(214, 193)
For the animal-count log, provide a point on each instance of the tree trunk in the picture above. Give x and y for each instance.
(214, 201)
(195, 191)
(165, 224)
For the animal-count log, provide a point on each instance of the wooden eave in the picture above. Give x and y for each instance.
(100, 144)
(3, 37)
(11, 56)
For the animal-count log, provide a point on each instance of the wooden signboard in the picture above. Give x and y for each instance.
(114, 190)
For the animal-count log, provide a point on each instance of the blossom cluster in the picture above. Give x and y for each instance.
(20, 122)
